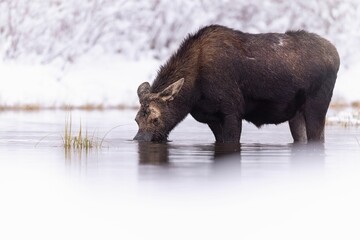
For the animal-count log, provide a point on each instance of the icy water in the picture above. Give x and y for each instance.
(189, 188)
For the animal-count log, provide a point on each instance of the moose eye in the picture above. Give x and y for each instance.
(156, 121)
(145, 112)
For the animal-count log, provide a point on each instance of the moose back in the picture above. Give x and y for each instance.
(222, 76)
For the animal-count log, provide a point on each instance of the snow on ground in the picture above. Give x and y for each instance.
(347, 117)
(348, 84)
(112, 44)
(106, 81)
(111, 81)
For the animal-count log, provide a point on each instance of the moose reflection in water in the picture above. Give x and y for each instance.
(165, 153)
(153, 153)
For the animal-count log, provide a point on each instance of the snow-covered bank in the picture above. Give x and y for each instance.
(347, 118)
(348, 84)
(106, 81)
(112, 82)
(109, 46)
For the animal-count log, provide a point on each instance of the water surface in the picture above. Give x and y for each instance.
(188, 188)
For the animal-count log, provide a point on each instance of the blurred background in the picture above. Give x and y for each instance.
(94, 53)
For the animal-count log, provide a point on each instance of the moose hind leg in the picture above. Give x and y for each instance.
(315, 114)
(298, 128)
(315, 124)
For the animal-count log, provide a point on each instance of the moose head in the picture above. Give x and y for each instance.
(156, 116)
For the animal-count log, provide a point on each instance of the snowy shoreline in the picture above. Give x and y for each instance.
(92, 55)
(95, 81)
(348, 117)
(110, 82)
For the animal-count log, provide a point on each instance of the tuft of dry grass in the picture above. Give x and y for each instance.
(85, 107)
(24, 107)
(78, 140)
(352, 120)
(356, 105)
(339, 105)
(357, 141)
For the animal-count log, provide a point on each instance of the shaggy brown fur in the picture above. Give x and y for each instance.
(222, 76)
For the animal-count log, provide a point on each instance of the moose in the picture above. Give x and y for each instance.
(222, 76)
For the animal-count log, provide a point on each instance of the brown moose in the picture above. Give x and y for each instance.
(222, 76)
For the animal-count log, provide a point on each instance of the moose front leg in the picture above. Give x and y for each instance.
(216, 128)
(298, 128)
(227, 131)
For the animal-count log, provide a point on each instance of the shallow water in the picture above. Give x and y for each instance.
(188, 188)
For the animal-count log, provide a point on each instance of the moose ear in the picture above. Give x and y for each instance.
(171, 91)
(143, 90)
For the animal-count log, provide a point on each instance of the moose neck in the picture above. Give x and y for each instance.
(179, 109)
(183, 64)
